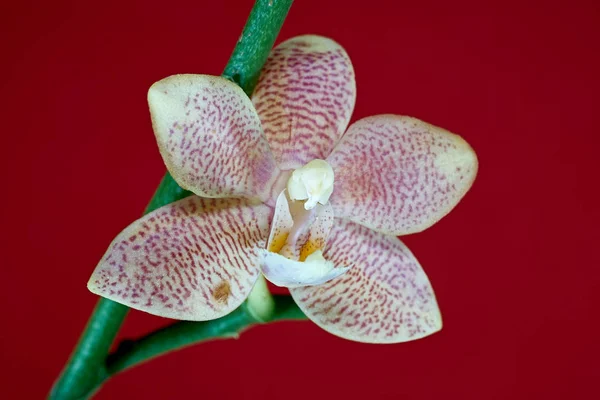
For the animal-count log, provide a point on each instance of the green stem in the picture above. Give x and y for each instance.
(85, 368)
(253, 47)
(185, 333)
(88, 366)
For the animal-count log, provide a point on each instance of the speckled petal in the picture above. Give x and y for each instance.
(195, 259)
(399, 175)
(210, 137)
(384, 298)
(305, 97)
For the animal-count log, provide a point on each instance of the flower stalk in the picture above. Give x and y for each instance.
(185, 333)
(90, 365)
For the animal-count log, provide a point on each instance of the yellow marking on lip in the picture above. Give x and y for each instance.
(278, 242)
(310, 247)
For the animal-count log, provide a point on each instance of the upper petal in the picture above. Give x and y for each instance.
(305, 97)
(384, 298)
(399, 175)
(210, 137)
(195, 259)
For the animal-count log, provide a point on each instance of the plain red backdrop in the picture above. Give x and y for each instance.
(514, 266)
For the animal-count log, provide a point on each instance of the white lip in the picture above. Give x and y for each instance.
(282, 271)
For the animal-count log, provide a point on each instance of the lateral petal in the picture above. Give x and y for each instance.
(384, 298)
(210, 137)
(195, 259)
(399, 175)
(305, 97)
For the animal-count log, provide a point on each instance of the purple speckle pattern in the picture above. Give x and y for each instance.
(210, 137)
(194, 259)
(384, 298)
(399, 175)
(198, 258)
(305, 97)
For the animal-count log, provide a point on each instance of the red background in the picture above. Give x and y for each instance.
(514, 265)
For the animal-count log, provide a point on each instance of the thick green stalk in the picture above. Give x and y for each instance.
(254, 46)
(185, 333)
(88, 366)
(85, 368)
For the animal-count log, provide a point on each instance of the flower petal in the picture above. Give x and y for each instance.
(305, 97)
(399, 175)
(195, 259)
(210, 137)
(315, 270)
(384, 298)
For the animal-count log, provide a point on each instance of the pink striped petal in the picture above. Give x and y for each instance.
(399, 175)
(305, 97)
(384, 298)
(210, 137)
(195, 259)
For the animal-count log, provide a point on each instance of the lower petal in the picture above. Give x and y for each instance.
(195, 259)
(384, 298)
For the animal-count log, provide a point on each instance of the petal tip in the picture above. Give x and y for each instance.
(315, 42)
(91, 285)
(463, 159)
(434, 321)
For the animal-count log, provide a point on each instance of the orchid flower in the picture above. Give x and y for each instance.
(282, 190)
